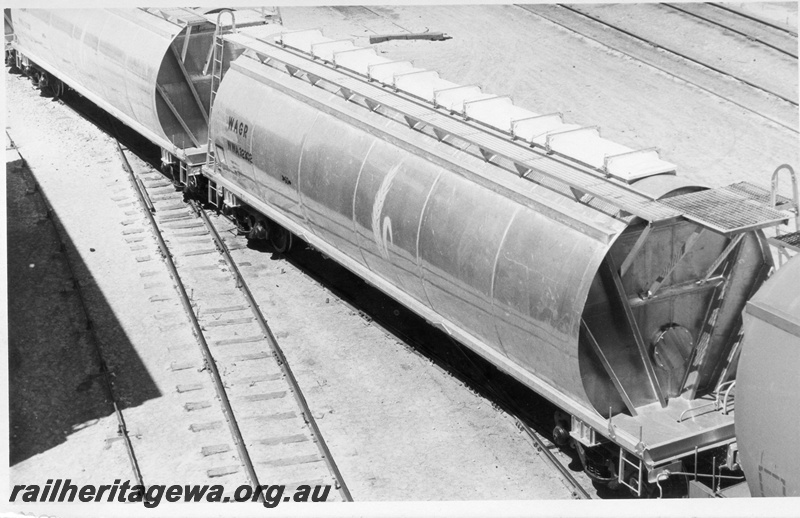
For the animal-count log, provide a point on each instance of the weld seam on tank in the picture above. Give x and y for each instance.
(298, 189)
(359, 240)
(494, 308)
(420, 270)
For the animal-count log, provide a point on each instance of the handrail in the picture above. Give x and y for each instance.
(233, 19)
(680, 417)
(717, 404)
(729, 385)
(795, 193)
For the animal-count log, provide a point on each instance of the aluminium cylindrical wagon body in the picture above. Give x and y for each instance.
(151, 73)
(768, 387)
(523, 274)
(8, 28)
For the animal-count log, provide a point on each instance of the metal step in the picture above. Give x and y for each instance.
(727, 210)
(790, 241)
(178, 15)
(759, 194)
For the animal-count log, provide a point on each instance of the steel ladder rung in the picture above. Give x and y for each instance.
(637, 467)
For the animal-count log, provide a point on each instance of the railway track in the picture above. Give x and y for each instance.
(735, 21)
(544, 446)
(682, 54)
(274, 433)
(752, 96)
(754, 18)
(576, 489)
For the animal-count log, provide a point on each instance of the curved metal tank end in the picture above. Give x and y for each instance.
(131, 63)
(768, 387)
(661, 292)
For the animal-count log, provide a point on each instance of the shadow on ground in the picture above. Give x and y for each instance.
(56, 385)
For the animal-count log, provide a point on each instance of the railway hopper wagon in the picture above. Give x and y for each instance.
(588, 271)
(768, 421)
(8, 29)
(149, 68)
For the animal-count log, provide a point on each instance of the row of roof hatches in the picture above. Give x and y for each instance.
(549, 131)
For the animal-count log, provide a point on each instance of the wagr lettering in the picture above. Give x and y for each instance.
(238, 127)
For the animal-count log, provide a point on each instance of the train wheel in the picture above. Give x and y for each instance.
(193, 188)
(59, 88)
(242, 219)
(560, 436)
(12, 61)
(260, 230)
(43, 81)
(280, 239)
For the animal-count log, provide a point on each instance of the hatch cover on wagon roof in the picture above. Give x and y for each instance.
(726, 210)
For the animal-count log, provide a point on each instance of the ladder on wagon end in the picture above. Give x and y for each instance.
(217, 56)
(786, 241)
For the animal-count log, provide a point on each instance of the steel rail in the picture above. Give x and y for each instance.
(731, 29)
(277, 352)
(577, 489)
(505, 403)
(210, 363)
(677, 53)
(108, 385)
(661, 69)
(754, 18)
